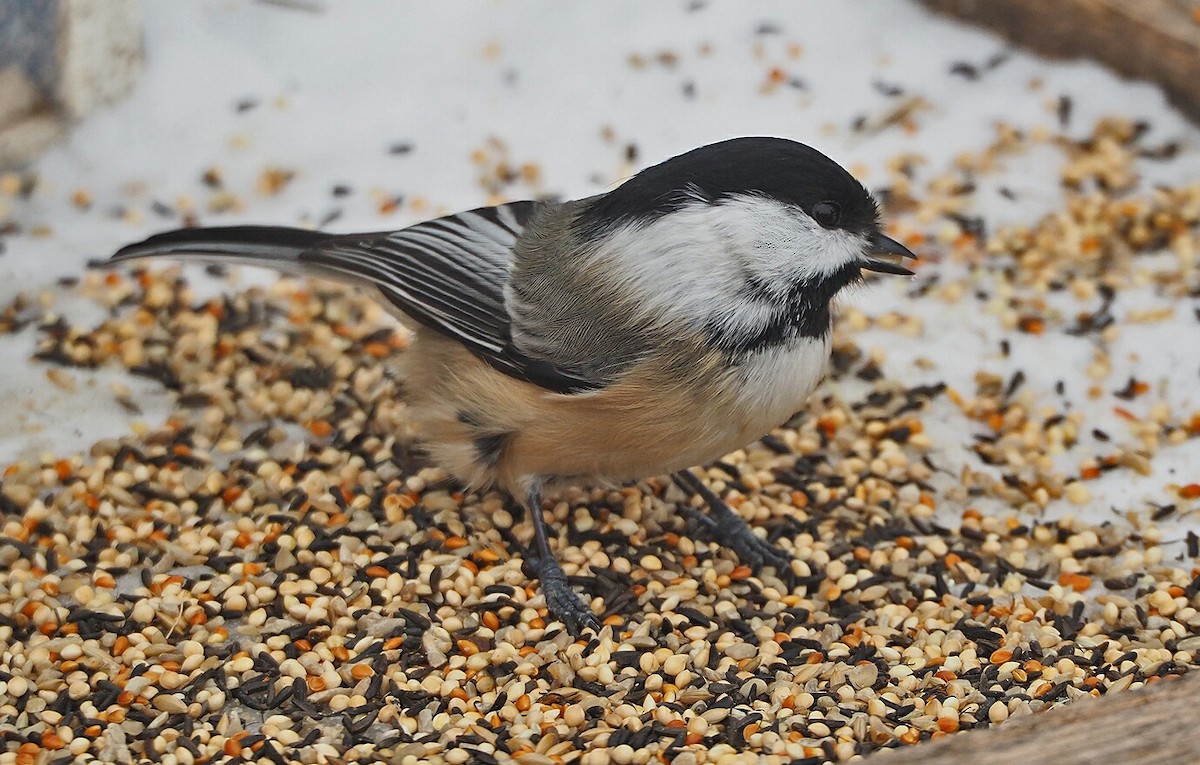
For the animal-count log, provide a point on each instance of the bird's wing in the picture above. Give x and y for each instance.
(449, 274)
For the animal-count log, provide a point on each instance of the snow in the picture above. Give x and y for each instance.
(331, 91)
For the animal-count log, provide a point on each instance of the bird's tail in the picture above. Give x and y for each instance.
(275, 247)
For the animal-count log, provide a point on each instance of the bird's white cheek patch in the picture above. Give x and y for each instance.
(835, 250)
(782, 244)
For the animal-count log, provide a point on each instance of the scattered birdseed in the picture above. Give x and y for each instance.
(274, 179)
(275, 574)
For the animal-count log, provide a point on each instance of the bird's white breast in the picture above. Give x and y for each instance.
(773, 384)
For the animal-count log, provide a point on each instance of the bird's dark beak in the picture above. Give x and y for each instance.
(885, 256)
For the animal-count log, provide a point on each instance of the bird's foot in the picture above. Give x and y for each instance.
(561, 601)
(733, 532)
(728, 529)
(751, 549)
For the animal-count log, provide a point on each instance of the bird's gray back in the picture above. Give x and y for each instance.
(562, 307)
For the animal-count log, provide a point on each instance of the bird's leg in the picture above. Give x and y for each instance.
(561, 600)
(728, 528)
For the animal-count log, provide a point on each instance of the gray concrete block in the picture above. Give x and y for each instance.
(59, 60)
(100, 48)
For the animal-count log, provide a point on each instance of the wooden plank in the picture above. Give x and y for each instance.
(1157, 40)
(1155, 725)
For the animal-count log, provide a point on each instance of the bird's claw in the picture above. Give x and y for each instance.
(561, 601)
(752, 550)
(729, 529)
(708, 526)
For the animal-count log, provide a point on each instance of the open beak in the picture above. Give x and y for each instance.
(885, 255)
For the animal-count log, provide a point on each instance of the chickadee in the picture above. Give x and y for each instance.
(638, 332)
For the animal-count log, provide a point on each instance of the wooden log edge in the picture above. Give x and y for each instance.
(1158, 724)
(1157, 40)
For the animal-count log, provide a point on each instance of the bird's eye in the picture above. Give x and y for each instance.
(826, 213)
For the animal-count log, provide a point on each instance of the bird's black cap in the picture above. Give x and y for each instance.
(776, 168)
